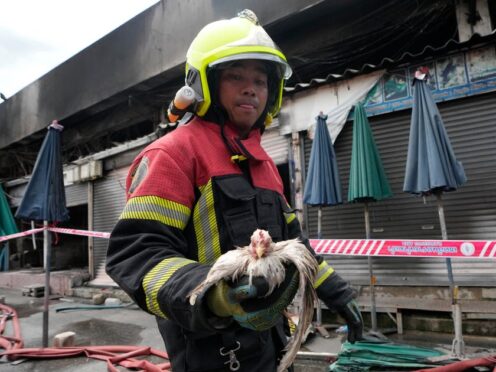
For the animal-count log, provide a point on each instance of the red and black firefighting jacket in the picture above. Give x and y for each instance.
(188, 203)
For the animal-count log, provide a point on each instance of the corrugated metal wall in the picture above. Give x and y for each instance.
(76, 194)
(470, 211)
(109, 200)
(276, 146)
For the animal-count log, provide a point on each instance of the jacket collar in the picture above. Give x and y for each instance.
(249, 147)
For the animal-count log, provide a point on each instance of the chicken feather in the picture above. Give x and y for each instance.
(266, 259)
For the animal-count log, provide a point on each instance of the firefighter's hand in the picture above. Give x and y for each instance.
(351, 314)
(249, 304)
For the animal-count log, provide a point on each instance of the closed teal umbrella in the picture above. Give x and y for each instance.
(7, 227)
(368, 181)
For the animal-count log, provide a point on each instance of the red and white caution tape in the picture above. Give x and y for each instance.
(352, 247)
(94, 234)
(21, 234)
(406, 248)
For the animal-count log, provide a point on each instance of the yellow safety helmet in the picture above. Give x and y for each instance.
(229, 40)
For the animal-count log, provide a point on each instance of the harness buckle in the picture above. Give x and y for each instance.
(233, 361)
(238, 158)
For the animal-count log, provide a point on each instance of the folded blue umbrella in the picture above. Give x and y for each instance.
(44, 199)
(322, 185)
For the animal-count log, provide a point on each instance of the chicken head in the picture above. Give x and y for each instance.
(261, 244)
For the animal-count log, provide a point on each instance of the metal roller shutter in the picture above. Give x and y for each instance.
(470, 211)
(76, 194)
(109, 199)
(276, 146)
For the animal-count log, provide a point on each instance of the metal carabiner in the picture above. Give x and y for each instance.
(233, 361)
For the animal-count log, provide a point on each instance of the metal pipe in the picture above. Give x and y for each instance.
(91, 262)
(33, 236)
(319, 223)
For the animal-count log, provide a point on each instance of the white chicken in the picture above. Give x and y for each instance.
(267, 259)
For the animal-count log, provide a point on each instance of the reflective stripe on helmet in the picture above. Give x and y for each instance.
(240, 37)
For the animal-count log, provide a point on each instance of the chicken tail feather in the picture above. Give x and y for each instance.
(305, 318)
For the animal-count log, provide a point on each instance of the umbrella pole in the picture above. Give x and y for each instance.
(318, 312)
(458, 347)
(33, 237)
(319, 236)
(47, 259)
(373, 312)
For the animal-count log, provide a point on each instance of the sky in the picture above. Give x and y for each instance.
(38, 35)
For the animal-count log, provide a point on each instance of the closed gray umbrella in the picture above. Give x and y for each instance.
(432, 168)
(44, 200)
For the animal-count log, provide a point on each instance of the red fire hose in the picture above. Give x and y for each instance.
(14, 341)
(465, 365)
(114, 355)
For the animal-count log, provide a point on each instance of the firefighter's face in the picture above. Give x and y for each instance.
(243, 92)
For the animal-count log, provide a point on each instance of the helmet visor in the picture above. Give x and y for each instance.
(281, 65)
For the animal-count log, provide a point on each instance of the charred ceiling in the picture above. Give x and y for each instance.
(328, 37)
(127, 116)
(366, 33)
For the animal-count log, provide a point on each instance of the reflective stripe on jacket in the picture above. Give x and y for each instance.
(188, 203)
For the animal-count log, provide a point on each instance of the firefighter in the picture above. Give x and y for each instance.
(203, 189)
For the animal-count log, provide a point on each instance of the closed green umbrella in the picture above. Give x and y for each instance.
(7, 227)
(368, 181)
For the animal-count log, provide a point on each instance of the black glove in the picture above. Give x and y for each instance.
(339, 296)
(351, 314)
(247, 303)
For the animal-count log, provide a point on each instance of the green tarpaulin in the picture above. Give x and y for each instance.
(382, 356)
(7, 227)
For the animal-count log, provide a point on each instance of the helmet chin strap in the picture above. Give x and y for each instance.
(216, 114)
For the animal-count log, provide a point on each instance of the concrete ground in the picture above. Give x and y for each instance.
(132, 326)
(122, 326)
